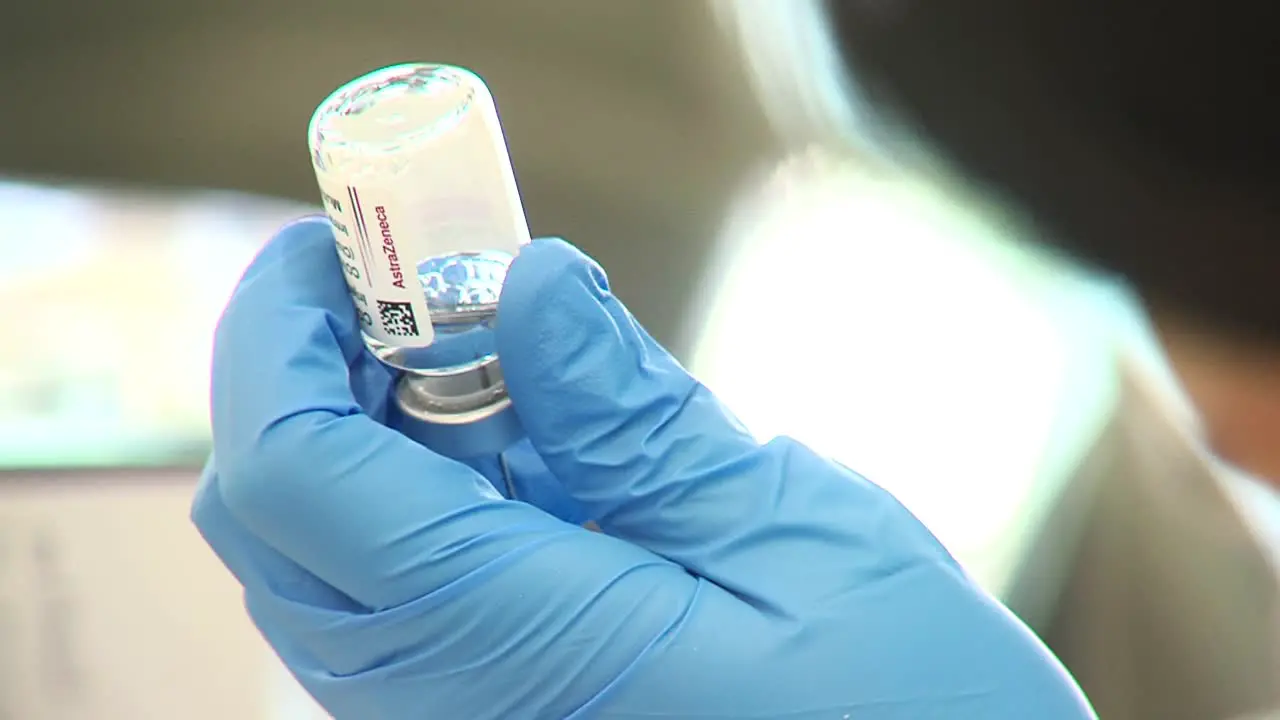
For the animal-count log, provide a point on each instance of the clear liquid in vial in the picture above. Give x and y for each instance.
(462, 291)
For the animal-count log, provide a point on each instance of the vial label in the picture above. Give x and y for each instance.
(376, 249)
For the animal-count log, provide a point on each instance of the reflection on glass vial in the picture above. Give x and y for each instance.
(463, 288)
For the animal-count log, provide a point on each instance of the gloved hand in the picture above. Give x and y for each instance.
(736, 580)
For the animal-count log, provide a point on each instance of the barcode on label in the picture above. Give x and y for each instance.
(397, 318)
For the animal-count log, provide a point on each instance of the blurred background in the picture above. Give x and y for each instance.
(703, 152)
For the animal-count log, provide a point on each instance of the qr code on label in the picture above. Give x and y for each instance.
(397, 318)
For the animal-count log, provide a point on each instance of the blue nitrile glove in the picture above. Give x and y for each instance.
(735, 580)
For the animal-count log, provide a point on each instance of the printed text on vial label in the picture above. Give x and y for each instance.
(379, 263)
(348, 256)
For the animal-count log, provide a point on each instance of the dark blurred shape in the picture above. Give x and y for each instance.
(1140, 136)
(629, 122)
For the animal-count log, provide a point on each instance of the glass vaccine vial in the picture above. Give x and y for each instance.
(415, 177)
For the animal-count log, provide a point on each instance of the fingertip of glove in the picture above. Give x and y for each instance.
(547, 274)
(555, 301)
(314, 229)
(555, 259)
(312, 235)
(315, 220)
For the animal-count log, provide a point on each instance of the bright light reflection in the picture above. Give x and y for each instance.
(884, 327)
